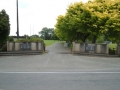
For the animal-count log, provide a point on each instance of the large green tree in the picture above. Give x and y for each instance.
(74, 25)
(4, 26)
(112, 27)
(90, 21)
(98, 19)
(47, 33)
(62, 29)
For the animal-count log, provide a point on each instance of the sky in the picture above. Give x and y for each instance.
(34, 14)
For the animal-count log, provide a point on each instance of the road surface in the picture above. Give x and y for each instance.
(59, 70)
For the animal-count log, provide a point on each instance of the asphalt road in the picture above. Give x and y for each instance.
(59, 70)
(60, 81)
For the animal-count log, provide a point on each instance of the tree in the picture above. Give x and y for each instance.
(4, 26)
(10, 39)
(26, 36)
(112, 27)
(74, 25)
(89, 21)
(35, 36)
(61, 30)
(98, 19)
(108, 13)
(53, 36)
(47, 33)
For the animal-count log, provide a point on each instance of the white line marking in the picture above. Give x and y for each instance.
(60, 72)
(46, 62)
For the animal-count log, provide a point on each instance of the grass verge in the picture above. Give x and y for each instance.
(112, 46)
(50, 42)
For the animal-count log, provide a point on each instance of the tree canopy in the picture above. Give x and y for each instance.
(48, 34)
(88, 21)
(4, 26)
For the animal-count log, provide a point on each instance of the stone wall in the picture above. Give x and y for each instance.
(102, 48)
(90, 48)
(33, 46)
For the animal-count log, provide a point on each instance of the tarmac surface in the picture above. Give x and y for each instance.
(58, 69)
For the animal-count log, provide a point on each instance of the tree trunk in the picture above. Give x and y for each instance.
(94, 39)
(85, 37)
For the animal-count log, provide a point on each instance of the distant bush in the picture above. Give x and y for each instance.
(10, 38)
(29, 40)
(36, 39)
(100, 39)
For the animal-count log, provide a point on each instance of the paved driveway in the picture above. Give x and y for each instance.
(59, 70)
(58, 58)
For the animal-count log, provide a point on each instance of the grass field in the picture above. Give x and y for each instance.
(111, 46)
(50, 42)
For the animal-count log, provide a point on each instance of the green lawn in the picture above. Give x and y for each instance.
(111, 46)
(50, 42)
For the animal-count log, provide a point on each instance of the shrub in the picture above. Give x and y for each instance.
(10, 38)
(30, 40)
(4, 48)
(35, 40)
(22, 40)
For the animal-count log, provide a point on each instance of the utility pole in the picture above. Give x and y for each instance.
(17, 21)
(30, 30)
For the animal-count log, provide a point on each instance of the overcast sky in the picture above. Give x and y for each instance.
(34, 14)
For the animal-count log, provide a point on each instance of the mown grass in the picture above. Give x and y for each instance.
(112, 46)
(50, 42)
